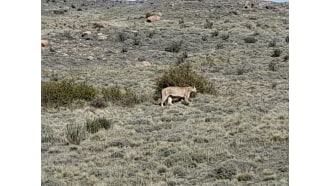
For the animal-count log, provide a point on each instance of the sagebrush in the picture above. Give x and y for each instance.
(54, 94)
(183, 76)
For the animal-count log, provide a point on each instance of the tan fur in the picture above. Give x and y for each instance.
(176, 92)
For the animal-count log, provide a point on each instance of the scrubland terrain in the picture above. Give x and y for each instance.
(238, 136)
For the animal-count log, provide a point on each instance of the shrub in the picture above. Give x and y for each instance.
(95, 125)
(75, 133)
(174, 47)
(214, 34)
(208, 24)
(244, 177)
(286, 58)
(250, 39)
(183, 75)
(181, 21)
(273, 66)
(225, 172)
(65, 92)
(181, 58)
(272, 43)
(148, 14)
(124, 50)
(179, 171)
(287, 39)
(122, 36)
(99, 103)
(125, 97)
(276, 53)
(47, 134)
(225, 36)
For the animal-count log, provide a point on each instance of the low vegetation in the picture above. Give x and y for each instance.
(54, 94)
(75, 133)
(95, 125)
(121, 96)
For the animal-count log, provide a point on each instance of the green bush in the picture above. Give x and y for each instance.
(95, 125)
(182, 76)
(119, 96)
(63, 93)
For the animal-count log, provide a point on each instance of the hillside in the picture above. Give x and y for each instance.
(239, 136)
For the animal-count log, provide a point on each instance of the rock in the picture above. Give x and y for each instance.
(153, 18)
(102, 37)
(143, 64)
(90, 57)
(44, 43)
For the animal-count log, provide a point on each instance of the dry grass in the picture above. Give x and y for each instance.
(237, 137)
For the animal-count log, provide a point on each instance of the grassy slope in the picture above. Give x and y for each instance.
(244, 129)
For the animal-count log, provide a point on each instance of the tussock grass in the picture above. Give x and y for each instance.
(54, 94)
(75, 133)
(95, 125)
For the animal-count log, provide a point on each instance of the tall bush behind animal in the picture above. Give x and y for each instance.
(183, 76)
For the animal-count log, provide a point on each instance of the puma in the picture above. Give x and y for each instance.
(169, 92)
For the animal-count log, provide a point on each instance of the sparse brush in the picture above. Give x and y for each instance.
(179, 171)
(208, 24)
(287, 39)
(47, 134)
(225, 36)
(244, 177)
(215, 33)
(174, 47)
(272, 43)
(54, 94)
(273, 66)
(276, 53)
(181, 21)
(148, 14)
(95, 125)
(183, 75)
(225, 172)
(181, 58)
(286, 58)
(119, 96)
(250, 39)
(99, 103)
(122, 36)
(75, 133)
